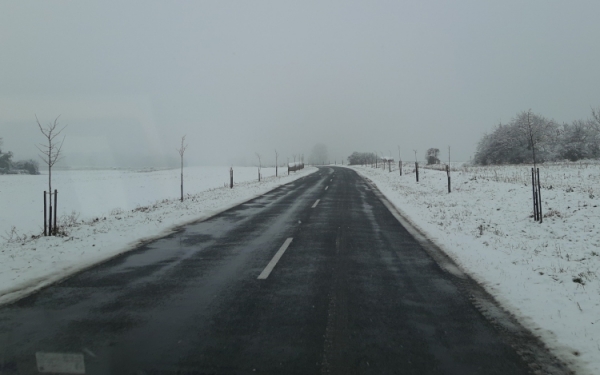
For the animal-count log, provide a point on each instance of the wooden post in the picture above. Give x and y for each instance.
(389, 166)
(539, 196)
(55, 209)
(533, 185)
(45, 215)
(400, 166)
(231, 178)
(258, 174)
(417, 170)
(50, 218)
(448, 173)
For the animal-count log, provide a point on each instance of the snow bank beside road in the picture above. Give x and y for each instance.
(547, 274)
(29, 264)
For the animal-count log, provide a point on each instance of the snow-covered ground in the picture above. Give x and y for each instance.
(113, 211)
(546, 274)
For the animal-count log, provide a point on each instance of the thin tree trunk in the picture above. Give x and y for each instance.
(182, 178)
(55, 210)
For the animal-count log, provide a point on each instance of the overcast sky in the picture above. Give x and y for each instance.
(131, 77)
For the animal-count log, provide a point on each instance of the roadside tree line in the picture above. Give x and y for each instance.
(8, 166)
(532, 138)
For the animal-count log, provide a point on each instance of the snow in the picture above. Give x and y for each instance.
(115, 210)
(546, 274)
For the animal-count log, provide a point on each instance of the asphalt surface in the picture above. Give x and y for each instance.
(353, 293)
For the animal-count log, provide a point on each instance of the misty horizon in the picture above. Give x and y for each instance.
(130, 79)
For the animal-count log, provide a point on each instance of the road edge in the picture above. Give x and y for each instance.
(534, 352)
(33, 286)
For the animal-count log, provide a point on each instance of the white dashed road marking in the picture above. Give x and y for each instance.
(315, 205)
(265, 273)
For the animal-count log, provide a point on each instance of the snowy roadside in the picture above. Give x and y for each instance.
(28, 264)
(546, 274)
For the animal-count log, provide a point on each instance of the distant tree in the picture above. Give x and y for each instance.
(5, 160)
(30, 166)
(360, 158)
(181, 151)
(527, 138)
(578, 141)
(8, 166)
(594, 125)
(595, 122)
(318, 154)
(537, 132)
(503, 145)
(433, 156)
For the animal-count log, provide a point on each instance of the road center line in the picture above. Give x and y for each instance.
(326, 187)
(315, 205)
(267, 271)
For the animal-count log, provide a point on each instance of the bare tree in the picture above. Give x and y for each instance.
(276, 156)
(259, 164)
(181, 151)
(535, 130)
(50, 153)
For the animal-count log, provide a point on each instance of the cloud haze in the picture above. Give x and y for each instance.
(130, 78)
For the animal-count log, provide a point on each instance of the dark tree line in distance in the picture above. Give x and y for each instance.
(532, 138)
(8, 166)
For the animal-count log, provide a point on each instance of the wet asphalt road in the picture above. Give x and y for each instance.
(353, 293)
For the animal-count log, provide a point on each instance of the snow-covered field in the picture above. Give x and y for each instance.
(546, 274)
(114, 210)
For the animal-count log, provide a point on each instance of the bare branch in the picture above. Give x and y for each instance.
(183, 147)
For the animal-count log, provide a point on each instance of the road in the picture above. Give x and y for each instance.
(315, 277)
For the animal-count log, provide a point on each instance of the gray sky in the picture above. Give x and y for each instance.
(130, 78)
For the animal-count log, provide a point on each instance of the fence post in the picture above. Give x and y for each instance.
(533, 185)
(417, 170)
(539, 196)
(400, 166)
(449, 185)
(55, 209)
(50, 218)
(45, 215)
(231, 177)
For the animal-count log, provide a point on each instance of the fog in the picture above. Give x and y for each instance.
(130, 78)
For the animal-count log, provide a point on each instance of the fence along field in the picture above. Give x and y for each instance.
(581, 176)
